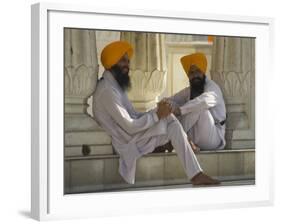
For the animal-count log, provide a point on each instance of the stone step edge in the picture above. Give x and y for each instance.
(171, 185)
(107, 156)
(182, 186)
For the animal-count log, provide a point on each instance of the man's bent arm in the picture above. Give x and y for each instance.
(114, 107)
(180, 98)
(204, 101)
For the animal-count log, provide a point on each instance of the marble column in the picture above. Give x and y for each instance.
(83, 136)
(233, 69)
(147, 68)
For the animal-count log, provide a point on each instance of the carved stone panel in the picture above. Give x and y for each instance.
(147, 68)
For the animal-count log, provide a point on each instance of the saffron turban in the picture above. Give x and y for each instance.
(198, 59)
(114, 51)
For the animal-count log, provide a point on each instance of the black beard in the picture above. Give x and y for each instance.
(197, 86)
(123, 79)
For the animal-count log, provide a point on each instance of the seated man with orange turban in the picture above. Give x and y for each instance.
(135, 134)
(200, 107)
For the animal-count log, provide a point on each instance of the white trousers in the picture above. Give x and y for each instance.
(178, 138)
(201, 128)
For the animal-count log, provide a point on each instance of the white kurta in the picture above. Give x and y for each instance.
(201, 116)
(135, 134)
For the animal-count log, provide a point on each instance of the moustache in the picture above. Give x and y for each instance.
(196, 79)
(127, 67)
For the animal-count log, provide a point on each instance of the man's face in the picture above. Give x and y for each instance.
(124, 64)
(195, 73)
(121, 72)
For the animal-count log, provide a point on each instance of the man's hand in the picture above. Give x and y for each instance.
(164, 109)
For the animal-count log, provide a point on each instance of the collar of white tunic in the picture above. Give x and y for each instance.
(207, 80)
(108, 76)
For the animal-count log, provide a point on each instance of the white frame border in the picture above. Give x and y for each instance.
(40, 178)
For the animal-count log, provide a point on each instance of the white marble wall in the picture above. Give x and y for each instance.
(233, 68)
(147, 68)
(102, 39)
(181, 38)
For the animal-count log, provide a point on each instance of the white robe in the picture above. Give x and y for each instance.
(135, 134)
(201, 116)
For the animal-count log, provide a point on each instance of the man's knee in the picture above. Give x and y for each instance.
(206, 117)
(205, 112)
(193, 118)
(174, 125)
(196, 115)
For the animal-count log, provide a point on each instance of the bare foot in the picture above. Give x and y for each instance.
(203, 179)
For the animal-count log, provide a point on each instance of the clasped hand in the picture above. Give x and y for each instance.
(164, 109)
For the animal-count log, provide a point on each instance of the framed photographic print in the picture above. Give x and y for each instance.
(148, 111)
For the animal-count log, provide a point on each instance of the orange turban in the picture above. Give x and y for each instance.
(114, 51)
(198, 59)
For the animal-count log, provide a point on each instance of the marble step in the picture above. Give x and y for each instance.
(79, 138)
(95, 173)
(90, 150)
(231, 181)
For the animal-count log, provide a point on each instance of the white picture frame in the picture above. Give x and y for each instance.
(48, 200)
